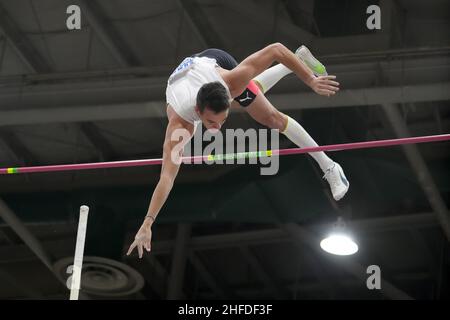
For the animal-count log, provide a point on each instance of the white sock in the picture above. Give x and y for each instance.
(271, 76)
(295, 132)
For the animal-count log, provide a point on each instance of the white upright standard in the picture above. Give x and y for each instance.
(79, 251)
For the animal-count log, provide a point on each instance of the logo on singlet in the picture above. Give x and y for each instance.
(181, 69)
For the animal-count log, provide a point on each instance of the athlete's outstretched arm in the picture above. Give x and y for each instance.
(253, 65)
(169, 171)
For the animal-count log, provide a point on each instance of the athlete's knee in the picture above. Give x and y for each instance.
(275, 120)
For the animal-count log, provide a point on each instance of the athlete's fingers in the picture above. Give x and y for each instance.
(133, 245)
(326, 92)
(332, 83)
(329, 88)
(329, 82)
(327, 77)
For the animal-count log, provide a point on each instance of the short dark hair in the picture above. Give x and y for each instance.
(213, 96)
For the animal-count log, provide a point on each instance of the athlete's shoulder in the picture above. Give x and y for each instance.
(177, 122)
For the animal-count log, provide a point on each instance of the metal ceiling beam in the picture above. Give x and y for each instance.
(276, 291)
(16, 253)
(363, 97)
(429, 253)
(284, 102)
(252, 11)
(207, 276)
(388, 19)
(108, 34)
(22, 255)
(197, 28)
(314, 261)
(300, 13)
(9, 235)
(157, 275)
(59, 90)
(153, 272)
(350, 44)
(442, 274)
(3, 43)
(406, 57)
(160, 273)
(28, 238)
(302, 236)
(419, 167)
(201, 24)
(439, 121)
(4, 236)
(311, 287)
(229, 240)
(23, 47)
(97, 178)
(101, 144)
(421, 126)
(18, 148)
(179, 259)
(321, 271)
(84, 113)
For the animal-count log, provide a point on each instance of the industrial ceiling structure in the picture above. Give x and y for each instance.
(226, 232)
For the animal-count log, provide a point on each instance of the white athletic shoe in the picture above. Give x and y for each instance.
(338, 182)
(311, 62)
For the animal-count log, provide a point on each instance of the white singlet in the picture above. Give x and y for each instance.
(185, 82)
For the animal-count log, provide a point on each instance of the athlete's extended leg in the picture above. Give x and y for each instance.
(265, 113)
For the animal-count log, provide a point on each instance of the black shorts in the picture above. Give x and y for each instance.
(224, 59)
(228, 62)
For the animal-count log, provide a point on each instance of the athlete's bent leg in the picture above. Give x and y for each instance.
(266, 114)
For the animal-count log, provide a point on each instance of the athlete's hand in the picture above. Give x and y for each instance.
(324, 85)
(142, 240)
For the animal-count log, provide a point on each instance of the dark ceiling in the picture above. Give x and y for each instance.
(97, 94)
